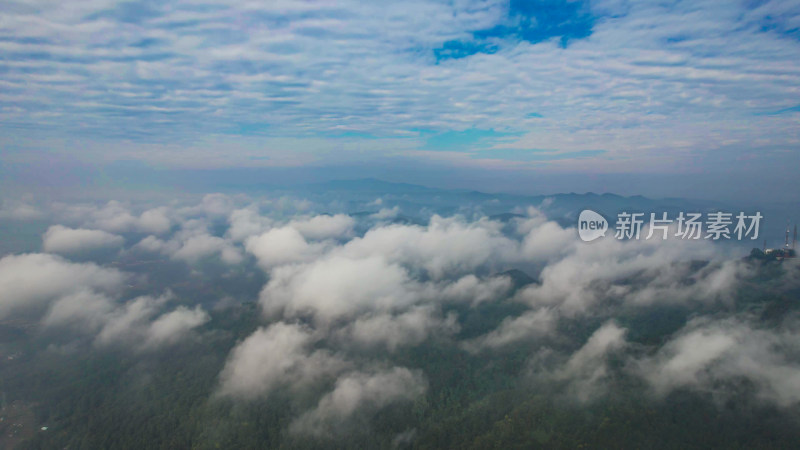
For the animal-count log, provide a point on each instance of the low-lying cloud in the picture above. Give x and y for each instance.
(340, 298)
(60, 239)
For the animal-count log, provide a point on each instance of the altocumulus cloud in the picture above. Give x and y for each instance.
(594, 84)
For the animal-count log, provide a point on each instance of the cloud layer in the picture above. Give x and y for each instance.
(586, 86)
(343, 304)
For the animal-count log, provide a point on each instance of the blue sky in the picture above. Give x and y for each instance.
(505, 89)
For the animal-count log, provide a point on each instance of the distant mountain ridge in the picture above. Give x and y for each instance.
(563, 207)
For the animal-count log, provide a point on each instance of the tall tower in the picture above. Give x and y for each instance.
(786, 245)
(794, 239)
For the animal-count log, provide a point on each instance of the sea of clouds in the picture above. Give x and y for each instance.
(341, 294)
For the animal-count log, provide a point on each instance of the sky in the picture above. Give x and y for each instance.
(665, 98)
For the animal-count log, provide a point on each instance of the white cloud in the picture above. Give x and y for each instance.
(272, 357)
(280, 246)
(386, 213)
(335, 286)
(172, 326)
(474, 290)
(154, 245)
(154, 221)
(324, 226)
(639, 272)
(531, 324)
(246, 222)
(116, 217)
(685, 359)
(360, 392)
(446, 247)
(411, 327)
(60, 239)
(21, 211)
(137, 324)
(84, 310)
(203, 245)
(708, 353)
(587, 369)
(32, 281)
(217, 204)
(81, 298)
(393, 287)
(547, 241)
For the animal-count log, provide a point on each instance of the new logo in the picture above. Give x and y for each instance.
(591, 225)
